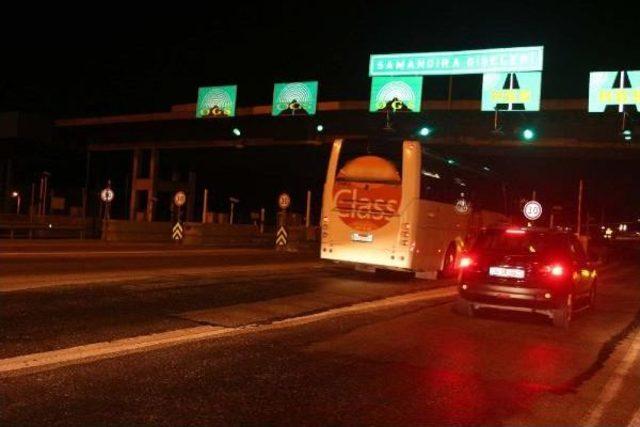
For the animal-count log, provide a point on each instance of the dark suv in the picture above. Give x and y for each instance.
(527, 269)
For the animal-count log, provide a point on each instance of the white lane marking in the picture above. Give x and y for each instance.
(614, 384)
(88, 353)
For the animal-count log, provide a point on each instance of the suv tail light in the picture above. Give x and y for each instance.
(466, 261)
(514, 231)
(553, 270)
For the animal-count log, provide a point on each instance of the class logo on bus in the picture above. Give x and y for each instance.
(367, 206)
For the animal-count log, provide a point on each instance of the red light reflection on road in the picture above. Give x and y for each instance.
(461, 397)
(462, 392)
(542, 361)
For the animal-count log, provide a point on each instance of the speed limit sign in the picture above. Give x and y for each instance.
(284, 201)
(532, 210)
(107, 195)
(179, 198)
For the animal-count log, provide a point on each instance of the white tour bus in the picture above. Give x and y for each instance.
(388, 204)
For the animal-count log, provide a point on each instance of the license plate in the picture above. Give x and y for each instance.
(358, 237)
(514, 273)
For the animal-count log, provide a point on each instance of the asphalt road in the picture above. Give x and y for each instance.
(258, 338)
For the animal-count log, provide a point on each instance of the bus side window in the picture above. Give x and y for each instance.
(432, 180)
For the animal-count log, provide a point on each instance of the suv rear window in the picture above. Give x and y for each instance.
(521, 244)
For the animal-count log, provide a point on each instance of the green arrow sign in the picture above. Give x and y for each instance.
(511, 91)
(603, 92)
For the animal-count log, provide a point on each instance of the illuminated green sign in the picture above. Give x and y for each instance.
(216, 101)
(604, 90)
(396, 94)
(292, 99)
(460, 62)
(511, 91)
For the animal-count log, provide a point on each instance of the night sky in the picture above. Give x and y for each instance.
(112, 59)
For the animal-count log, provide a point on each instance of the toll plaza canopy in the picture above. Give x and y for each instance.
(148, 157)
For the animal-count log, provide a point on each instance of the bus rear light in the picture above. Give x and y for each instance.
(325, 223)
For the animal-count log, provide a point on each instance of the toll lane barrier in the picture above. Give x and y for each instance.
(225, 235)
(245, 235)
(47, 227)
(130, 231)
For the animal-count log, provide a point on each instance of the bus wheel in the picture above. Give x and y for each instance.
(449, 266)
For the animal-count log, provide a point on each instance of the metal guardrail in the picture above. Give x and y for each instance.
(31, 231)
(14, 226)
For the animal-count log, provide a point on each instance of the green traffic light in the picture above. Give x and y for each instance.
(236, 132)
(319, 128)
(424, 131)
(528, 134)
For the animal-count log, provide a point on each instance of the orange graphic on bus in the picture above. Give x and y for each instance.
(367, 193)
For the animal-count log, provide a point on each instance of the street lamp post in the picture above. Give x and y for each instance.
(16, 195)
